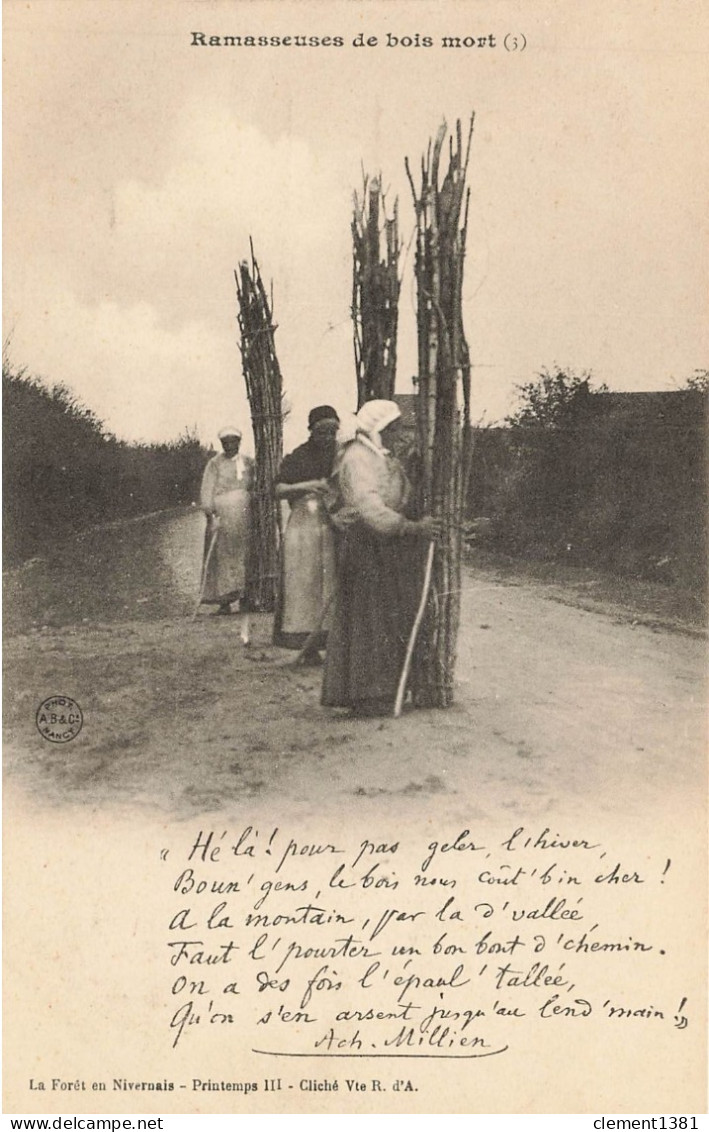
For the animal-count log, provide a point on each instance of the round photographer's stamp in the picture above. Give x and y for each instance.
(59, 719)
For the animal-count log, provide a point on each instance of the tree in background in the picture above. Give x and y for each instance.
(551, 399)
(64, 471)
(546, 478)
(595, 478)
(698, 380)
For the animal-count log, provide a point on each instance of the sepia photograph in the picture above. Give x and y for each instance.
(355, 389)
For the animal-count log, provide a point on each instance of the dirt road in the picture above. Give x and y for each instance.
(558, 708)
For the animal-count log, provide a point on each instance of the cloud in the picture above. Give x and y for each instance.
(120, 252)
(144, 380)
(139, 314)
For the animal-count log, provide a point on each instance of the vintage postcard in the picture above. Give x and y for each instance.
(240, 876)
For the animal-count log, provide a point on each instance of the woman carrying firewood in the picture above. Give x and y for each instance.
(308, 552)
(379, 569)
(224, 499)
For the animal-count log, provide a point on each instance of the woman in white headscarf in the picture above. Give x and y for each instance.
(379, 569)
(225, 501)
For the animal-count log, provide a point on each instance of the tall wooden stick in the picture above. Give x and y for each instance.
(205, 568)
(401, 690)
(316, 631)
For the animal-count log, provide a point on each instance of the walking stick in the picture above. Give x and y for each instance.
(205, 567)
(399, 702)
(314, 632)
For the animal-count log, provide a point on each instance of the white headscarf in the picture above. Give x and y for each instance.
(374, 416)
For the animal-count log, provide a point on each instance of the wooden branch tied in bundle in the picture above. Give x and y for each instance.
(264, 388)
(375, 292)
(443, 402)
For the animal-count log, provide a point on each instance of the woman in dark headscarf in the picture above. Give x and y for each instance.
(308, 555)
(379, 575)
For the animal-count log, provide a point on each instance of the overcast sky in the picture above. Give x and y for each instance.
(137, 166)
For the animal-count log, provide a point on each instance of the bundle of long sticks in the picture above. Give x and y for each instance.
(264, 388)
(443, 402)
(375, 292)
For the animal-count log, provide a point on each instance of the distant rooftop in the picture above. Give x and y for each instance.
(672, 407)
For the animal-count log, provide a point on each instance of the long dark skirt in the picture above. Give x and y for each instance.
(378, 584)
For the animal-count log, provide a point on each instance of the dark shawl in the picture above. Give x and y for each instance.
(306, 463)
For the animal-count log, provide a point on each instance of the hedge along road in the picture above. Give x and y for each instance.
(558, 708)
